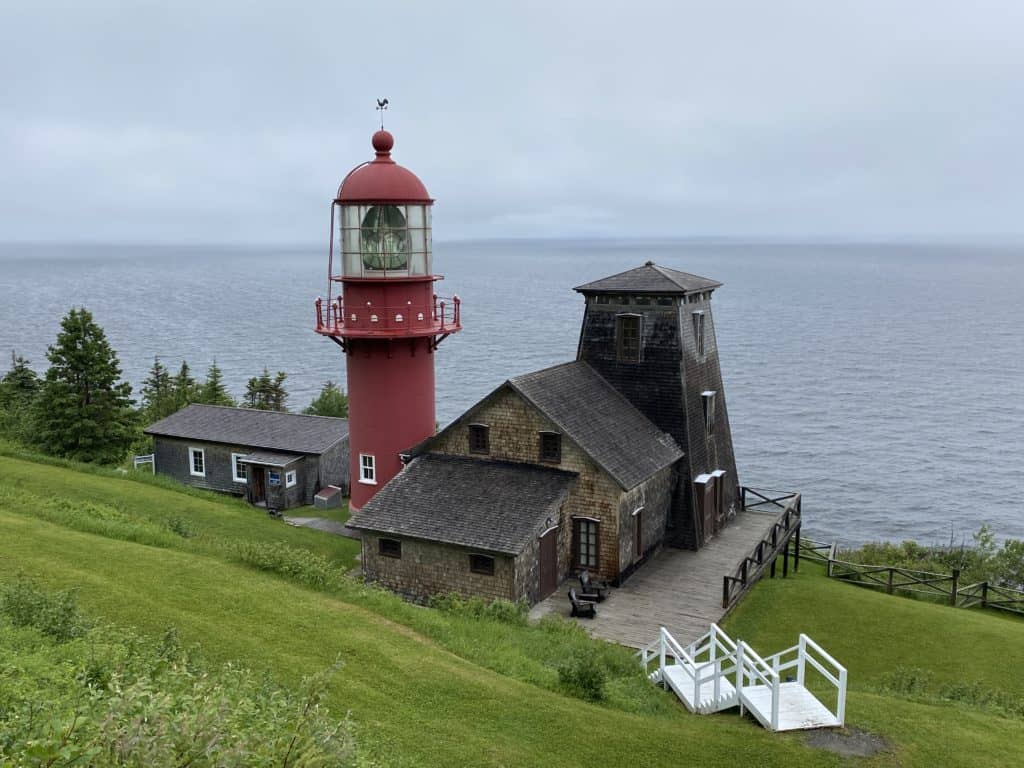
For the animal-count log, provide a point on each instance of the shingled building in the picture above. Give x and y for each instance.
(591, 464)
(275, 460)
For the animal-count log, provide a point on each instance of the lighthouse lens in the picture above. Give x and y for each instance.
(385, 236)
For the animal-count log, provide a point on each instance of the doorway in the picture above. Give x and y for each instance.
(638, 535)
(548, 563)
(257, 485)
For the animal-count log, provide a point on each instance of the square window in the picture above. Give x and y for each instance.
(274, 477)
(550, 446)
(479, 438)
(367, 469)
(585, 542)
(642, 300)
(197, 462)
(481, 564)
(389, 548)
(627, 337)
(239, 471)
(290, 479)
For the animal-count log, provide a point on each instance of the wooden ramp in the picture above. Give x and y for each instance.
(678, 589)
(715, 673)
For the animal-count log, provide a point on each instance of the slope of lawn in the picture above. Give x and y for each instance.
(429, 688)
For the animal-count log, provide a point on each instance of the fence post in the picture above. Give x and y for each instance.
(892, 572)
(953, 591)
(785, 559)
(743, 497)
(796, 550)
(984, 594)
(831, 558)
(725, 592)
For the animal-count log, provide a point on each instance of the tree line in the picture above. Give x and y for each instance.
(81, 409)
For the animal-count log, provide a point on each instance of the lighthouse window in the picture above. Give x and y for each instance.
(708, 399)
(367, 469)
(385, 236)
(479, 438)
(627, 335)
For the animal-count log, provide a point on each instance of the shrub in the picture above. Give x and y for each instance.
(181, 527)
(54, 614)
(906, 681)
(504, 611)
(583, 676)
(307, 567)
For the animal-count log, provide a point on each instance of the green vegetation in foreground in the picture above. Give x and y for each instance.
(460, 687)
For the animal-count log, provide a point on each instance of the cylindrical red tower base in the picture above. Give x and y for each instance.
(391, 407)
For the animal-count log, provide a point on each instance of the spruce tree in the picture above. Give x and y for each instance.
(185, 388)
(83, 411)
(330, 402)
(18, 388)
(157, 393)
(213, 391)
(266, 394)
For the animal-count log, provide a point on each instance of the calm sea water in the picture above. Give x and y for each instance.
(885, 382)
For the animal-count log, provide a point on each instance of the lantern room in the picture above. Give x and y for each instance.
(382, 212)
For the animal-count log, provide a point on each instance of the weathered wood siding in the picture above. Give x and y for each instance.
(427, 568)
(171, 457)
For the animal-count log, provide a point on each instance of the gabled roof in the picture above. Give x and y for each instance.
(288, 432)
(494, 506)
(600, 420)
(650, 278)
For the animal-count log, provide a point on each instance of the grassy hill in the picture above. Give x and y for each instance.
(427, 687)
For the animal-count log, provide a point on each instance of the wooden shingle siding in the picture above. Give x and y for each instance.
(172, 458)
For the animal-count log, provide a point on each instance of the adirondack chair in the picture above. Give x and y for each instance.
(591, 589)
(586, 609)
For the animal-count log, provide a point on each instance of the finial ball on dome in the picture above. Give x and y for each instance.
(383, 141)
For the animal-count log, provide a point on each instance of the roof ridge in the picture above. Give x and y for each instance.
(609, 277)
(500, 462)
(258, 410)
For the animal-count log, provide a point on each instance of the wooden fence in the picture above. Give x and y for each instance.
(893, 579)
(765, 553)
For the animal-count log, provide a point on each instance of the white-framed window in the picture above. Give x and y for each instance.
(196, 462)
(367, 469)
(290, 479)
(708, 399)
(239, 471)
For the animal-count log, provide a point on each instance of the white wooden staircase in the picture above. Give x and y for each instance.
(715, 673)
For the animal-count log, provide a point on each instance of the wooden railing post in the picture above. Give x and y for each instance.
(984, 594)
(796, 549)
(725, 592)
(953, 590)
(785, 559)
(892, 572)
(831, 558)
(743, 497)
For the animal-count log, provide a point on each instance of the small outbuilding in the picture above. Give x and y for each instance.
(275, 460)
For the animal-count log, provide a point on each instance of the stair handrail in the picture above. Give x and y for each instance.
(838, 679)
(752, 666)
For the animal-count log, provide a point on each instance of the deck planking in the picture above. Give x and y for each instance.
(677, 589)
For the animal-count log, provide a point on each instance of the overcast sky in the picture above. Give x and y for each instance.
(224, 121)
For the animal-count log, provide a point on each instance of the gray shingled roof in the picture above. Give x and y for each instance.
(650, 278)
(270, 459)
(600, 420)
(494, 506)
(256, 429)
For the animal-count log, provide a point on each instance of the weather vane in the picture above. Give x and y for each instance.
(382, 104)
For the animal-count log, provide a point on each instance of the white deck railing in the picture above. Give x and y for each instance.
(805, 652)
(753, 671)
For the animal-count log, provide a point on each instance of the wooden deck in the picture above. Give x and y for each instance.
(678, 589)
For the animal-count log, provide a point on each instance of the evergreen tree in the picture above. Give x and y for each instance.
(265, 393)
(82, 410)
(330, 402)
(18, 388)
(186, 390)
(157, 393)
(212, 391)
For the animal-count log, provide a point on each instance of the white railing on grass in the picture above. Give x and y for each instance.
(753, 671)
(800, 655)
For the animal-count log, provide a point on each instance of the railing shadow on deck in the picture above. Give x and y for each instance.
(765, 553)
(895, 579)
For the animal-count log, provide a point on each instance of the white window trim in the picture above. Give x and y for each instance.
(291, 479)
(192, 451)
(234, 468)
(372, 479)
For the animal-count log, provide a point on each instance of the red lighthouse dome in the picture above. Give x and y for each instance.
(382, 180)
(388, 319)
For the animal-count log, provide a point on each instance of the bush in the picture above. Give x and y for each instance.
(583, 676)
(54, 614)
(304, 566)
(181, 527)
(906, 681)
(504, 611)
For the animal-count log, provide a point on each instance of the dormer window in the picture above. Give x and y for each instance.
(479, 438)
(550, 447)
(627, 338)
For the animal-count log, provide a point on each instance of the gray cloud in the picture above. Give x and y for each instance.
(161, 122)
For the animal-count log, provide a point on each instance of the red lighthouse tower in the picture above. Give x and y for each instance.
(388, 318)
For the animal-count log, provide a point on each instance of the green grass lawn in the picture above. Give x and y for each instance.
(431, 688)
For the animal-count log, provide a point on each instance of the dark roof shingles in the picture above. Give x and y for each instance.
(650, 278)
(600, 420)
(494, 506)
(249, 427)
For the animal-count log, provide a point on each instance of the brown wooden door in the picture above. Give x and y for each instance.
(548, 563)
(708, 509)
(257, 484)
